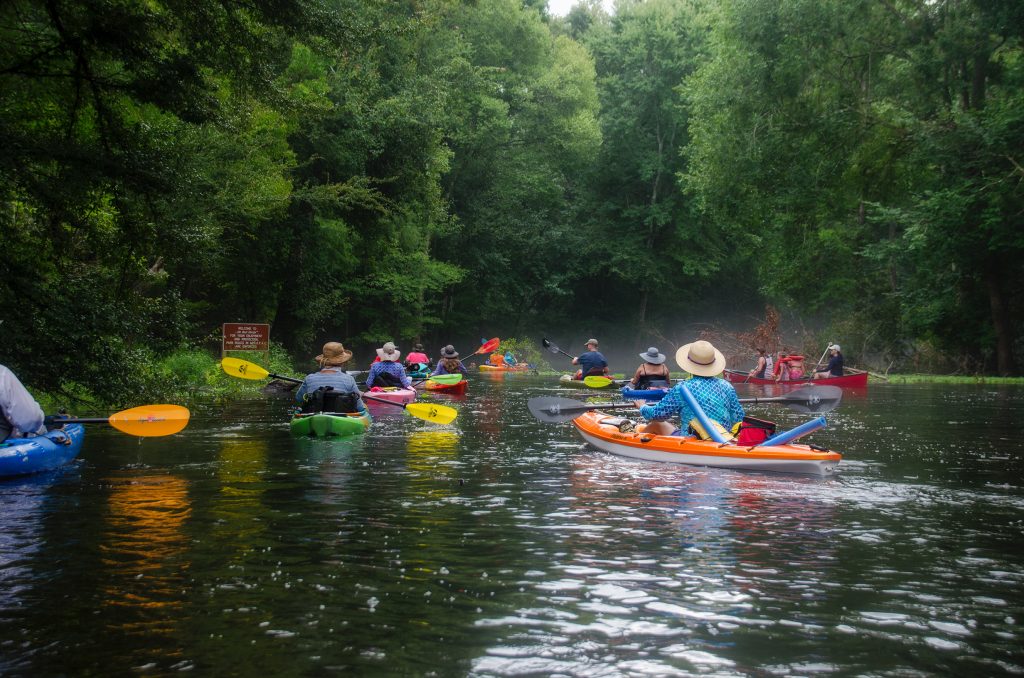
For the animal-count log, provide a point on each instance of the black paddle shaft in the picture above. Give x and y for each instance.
(554, 349)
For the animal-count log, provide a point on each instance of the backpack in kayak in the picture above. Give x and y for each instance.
(754, 431)
(326, 399)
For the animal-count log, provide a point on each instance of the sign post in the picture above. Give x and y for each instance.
(246, 337)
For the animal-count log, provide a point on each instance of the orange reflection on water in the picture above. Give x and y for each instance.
(143, 551)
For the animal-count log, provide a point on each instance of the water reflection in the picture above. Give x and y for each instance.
(235, 509)
(145, 571)
(501, 546)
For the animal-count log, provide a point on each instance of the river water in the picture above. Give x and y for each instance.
(500, 546)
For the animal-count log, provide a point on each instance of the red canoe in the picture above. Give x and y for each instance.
(852, 379)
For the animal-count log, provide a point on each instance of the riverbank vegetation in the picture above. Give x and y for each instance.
(376, 171)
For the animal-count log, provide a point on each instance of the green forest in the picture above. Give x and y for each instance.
(393, 169)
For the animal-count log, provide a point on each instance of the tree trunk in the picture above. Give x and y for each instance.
(1000, 320)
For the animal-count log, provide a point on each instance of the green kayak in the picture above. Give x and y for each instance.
(330, 424)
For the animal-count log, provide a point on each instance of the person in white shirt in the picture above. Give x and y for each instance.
(22, 415)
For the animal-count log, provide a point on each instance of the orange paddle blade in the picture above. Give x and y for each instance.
(489, 346)
(150, 421)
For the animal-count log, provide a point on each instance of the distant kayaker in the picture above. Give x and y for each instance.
(653, 373)
(22, 416)
(716, 397)
(450, 363)
(765, 364)
(416, 356)
(592, 363)
(835, 364)
(344, 392)
(388, 371)
(510, 359)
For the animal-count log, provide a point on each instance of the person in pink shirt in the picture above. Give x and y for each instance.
(415, 357)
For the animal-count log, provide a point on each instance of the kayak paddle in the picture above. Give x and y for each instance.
(145, 421)
(810, 398)
(556, 410)
(485, 347)
(554, 349)
(818, 399)
(243, 369)
(595, 381)
(435, 414)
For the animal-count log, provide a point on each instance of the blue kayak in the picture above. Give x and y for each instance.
(645, 394)
(23, 456)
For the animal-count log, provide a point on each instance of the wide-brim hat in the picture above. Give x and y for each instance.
(701, 358)
(653, 356)
(389, 352)
(334, 354)
(449, 352)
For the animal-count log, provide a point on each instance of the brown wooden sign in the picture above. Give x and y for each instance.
(246, 337)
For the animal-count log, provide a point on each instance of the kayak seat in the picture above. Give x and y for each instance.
(326, 399)
(621, 423)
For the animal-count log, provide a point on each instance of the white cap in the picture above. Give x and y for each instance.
(833, 347)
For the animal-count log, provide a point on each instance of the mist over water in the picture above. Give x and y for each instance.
(499, 546)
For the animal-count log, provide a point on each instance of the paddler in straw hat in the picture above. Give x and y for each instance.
(716, 396)
(330, 360)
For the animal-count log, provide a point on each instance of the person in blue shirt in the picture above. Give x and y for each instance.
(388, 372)
(344, 387)
(715, 396)
(835, 364)
(450, 363)
(591, 363)
(20, 414)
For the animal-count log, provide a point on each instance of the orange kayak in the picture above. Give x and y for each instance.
(602, 431)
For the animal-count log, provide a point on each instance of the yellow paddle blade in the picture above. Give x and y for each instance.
(597, 382)
(243, 369)
(150, 421)
(438, 414)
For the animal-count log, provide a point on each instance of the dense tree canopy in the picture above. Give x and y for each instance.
(392, 170)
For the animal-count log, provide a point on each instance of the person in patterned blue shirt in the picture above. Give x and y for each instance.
(388, 372)
(716, 396)
(331, 375)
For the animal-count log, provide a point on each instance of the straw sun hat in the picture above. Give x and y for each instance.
(701, 358)
(334, 354)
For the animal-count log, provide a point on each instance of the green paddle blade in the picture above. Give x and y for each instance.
(436, 414)
(597, 382)
(448, 379)
(243, 369)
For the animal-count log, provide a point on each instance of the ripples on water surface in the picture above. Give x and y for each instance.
(501, 546)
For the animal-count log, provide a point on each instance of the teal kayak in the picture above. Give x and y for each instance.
(23, 456)
(330, 424)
